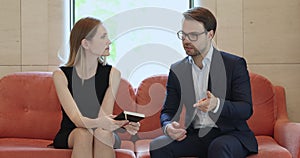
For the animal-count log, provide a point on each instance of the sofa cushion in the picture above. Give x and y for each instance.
(38, 148)
(263, 119)
(20, 147)
(267, 147)
(29, 106)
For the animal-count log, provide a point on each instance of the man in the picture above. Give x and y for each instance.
(214, 87)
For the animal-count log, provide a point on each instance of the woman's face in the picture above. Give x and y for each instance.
(99, 44)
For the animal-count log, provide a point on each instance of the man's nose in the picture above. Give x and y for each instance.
(186, 40)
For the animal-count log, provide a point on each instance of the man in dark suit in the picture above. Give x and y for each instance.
(214, 87)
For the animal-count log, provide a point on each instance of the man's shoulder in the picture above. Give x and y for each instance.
(229, 56)
(180, 63)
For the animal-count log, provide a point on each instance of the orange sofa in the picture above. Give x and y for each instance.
(30, 116)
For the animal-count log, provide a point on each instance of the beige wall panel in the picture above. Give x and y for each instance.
(34, 68)
(52, 68)
(34, 32)
(284, 75)
(4, 70)
(10, 46)
(59, 24)
(212, 6)
(230, 26)
(271, 31)
(209, 4)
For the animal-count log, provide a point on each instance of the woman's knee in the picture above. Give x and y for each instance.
(80, 135)
(104, 136)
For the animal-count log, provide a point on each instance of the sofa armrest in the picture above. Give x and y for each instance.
(287, 134)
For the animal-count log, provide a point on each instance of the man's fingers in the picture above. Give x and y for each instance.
(175, 124)
(181, 138)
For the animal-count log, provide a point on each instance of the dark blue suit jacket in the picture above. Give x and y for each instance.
(229, 81)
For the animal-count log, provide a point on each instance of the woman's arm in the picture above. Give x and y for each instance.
(110, 94)
(68, 103)
(105, 114)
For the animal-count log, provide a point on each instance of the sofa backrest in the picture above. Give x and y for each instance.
(149, 99)
(151, 92)
(125, 100)
(29, 106)
(264, 108)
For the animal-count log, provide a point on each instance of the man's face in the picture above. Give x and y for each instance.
(199, 41)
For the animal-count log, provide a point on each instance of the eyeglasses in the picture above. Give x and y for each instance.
(193, 36)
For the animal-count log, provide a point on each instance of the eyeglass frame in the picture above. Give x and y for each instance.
(184, 35)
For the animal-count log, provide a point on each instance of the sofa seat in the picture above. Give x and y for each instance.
(21, 148)
(267, 147)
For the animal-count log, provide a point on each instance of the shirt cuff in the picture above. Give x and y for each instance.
(165, 129)
(217, 107)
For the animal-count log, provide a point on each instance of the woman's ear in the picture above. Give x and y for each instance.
(84, 44)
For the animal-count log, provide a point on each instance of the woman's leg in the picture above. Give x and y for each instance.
(103, 144)
(81, 141)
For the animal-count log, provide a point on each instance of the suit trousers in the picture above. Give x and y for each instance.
(214, 144)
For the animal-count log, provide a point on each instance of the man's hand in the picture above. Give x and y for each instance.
(175, 131)
(207, 104)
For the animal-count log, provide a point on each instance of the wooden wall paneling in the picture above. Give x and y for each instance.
(4, 70)
(59, 26)
(271, 31)
(10, 36)
(230, 26)
(34, 68)
(34, 32)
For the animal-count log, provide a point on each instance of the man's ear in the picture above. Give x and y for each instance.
(211, 34)
(84, 44)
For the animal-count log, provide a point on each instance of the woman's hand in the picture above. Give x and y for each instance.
(108, 123)
(132, 127)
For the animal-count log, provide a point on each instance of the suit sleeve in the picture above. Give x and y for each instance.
(238, 103)
(172, 100)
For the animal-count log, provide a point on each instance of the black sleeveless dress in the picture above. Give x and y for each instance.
(88, 96)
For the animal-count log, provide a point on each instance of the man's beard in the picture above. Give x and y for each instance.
(196, 52)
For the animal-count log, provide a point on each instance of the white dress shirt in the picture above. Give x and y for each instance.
(200, 80)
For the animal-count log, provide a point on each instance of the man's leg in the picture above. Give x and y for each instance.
(226, 146)
(165, 147)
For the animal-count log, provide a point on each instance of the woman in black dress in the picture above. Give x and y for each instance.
(86, 87)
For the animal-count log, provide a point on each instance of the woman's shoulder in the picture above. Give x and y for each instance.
(59, 75)
(114, 71)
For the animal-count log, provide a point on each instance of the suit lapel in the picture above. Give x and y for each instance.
(217, 75)
(217, 81)
(185, 77)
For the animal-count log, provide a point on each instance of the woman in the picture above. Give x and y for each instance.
(86, 87)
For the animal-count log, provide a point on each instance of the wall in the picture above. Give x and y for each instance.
(31, 34)
(266, 33)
